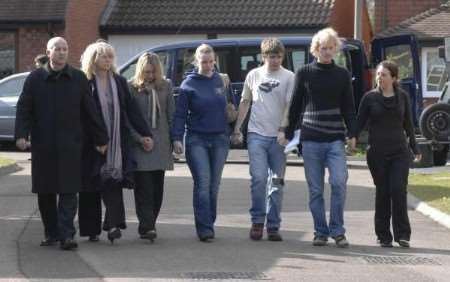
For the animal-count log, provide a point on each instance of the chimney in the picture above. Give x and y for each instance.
(82, 26)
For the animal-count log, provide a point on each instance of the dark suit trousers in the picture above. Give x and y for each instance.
(148, 196)
(390, 174)
(57, 214)
(90, 211)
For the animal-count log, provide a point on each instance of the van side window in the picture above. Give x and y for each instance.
(249, 58)
(401, 55)
(164, 57)
(296, 59)
(184, 63)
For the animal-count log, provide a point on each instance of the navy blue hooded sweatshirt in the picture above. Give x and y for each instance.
(201, 105)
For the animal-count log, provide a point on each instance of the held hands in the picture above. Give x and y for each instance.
(281, 139)
(417, 158)
(101, 149)
(237, 138)
(351, 145)
(147, 143)
(22, 144)
(178, 147)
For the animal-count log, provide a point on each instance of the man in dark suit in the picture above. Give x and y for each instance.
(57, 110)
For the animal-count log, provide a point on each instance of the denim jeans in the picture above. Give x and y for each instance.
(206, 155)
(317, 156)
(267, 168)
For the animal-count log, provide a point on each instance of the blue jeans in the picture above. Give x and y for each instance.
(206, 155)
(267, 167)
(317, 156)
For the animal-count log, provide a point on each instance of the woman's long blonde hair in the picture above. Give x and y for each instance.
(150, 58)
(91, 54)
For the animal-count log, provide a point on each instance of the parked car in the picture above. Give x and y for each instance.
(10, 89)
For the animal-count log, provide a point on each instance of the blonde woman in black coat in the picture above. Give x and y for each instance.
(105, 176)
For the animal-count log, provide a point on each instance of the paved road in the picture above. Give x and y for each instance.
(178, 256)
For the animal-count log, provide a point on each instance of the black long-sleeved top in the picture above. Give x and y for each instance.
(321, 102)
(389, 121)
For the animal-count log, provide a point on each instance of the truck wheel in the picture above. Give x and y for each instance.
(427, 156)
(440, 156)
(435, 122)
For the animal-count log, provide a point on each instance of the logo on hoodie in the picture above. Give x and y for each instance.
(268, 86)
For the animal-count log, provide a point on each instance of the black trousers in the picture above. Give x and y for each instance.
(90, 211)
(390, 174)
(57, 214)
(148, 197)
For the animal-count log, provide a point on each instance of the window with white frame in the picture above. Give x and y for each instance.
(434, 74)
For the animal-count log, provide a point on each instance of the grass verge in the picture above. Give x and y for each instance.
(5, 162)
(434, 189)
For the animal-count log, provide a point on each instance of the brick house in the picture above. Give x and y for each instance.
(431, 27)
(26, 26)
(389, 13)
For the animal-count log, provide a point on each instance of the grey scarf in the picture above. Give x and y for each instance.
(112, 169)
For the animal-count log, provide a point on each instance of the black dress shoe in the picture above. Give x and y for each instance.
(149, 235)
(68, 244)
(114, 234)
(94, 238)
(49, 242)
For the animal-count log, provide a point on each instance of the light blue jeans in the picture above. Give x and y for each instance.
(206, 155)
(267, 168)
(317, 156)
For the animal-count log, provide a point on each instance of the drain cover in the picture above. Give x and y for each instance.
(224, 275)
(400, 260)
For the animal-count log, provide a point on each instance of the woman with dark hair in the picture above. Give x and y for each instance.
(387, 112)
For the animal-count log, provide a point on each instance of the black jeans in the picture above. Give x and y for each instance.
(390, 174)
(148, 196)
(58, 214)
(90, 211)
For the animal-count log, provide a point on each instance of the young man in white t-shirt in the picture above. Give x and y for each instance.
(268, 90)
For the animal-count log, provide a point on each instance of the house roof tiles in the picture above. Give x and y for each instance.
(216, 14)
(16, 11)
(431, 24)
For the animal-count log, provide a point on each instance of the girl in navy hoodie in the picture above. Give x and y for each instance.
(200, 111)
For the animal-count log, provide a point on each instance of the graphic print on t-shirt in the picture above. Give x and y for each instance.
(268, 86)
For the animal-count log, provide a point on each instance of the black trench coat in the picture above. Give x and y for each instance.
(130, 116)
(59, 112)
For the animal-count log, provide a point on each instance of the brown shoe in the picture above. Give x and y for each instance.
(256, 232)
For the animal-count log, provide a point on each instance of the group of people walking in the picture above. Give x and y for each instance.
(93, 134)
